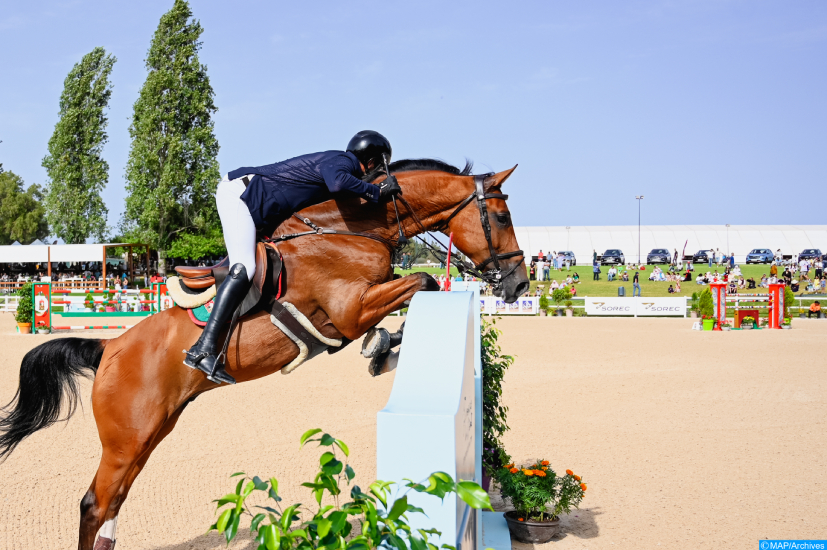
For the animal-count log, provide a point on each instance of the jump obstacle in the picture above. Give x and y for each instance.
(437, 400)
(139, 303)
(774, 299)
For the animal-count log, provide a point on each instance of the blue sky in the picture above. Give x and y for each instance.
(714, 110)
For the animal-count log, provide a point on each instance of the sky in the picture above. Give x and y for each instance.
(714, 111)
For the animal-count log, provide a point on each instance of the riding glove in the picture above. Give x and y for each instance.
(389, 188)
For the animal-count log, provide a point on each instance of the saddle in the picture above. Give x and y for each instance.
(268, 263)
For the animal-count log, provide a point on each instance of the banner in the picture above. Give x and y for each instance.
(636, 306)
(492, 305)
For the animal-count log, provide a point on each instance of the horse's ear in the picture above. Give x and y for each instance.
(497, 179)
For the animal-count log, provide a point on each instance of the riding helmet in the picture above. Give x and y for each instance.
(368, 145)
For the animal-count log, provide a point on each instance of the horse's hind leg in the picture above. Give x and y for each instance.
(101, 519)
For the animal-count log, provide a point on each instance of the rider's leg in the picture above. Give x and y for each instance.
(240, 238)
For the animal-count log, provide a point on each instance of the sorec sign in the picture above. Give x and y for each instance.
(636, 306)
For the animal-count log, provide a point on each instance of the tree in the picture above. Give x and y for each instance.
(22, 215)
(172, 171)
(77, 171)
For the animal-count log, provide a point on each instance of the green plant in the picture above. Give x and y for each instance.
(383, 523)
(560, 295)
(89, 301)
(534, 488)
(569, 304)
(789, 299)
(787, 321)
(494, 413)
(705, 303)
(693, 304)
(25, 305)
(748, 319)
(543, 302)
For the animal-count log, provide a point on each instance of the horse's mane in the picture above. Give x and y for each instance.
(410, 165)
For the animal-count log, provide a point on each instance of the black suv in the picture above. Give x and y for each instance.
(701, 257)
(613, 256)
(810, 254)
(659, 256)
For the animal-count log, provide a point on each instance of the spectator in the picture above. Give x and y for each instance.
(670, 290)
(596, 270)
(546, 269)
(815, 309)
(677, 287)
(594, 256)
(553, 286)
(636, 284)
(611, 273)
(532, 266)
(625, 277)
(732, 260)
(774, 269)
(576, 277)
(675, 257)
(819, 268)
(710, 256)
(573, 291)
(750, 283)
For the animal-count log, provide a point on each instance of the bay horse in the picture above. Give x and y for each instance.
(343, 283)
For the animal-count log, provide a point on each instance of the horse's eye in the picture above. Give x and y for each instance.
(503, 219)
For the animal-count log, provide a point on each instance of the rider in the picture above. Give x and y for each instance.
(256, 200)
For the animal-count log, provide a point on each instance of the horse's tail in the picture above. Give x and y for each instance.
(48, 381)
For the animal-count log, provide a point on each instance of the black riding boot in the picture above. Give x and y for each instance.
(204, 354)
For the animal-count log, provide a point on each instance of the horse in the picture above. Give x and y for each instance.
(343, 283)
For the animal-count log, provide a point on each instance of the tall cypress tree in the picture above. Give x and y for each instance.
(172, 170)
(77, 172)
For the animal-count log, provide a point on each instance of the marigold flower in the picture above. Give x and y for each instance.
(514, 470)
(577, 478)
(521, 519)
(539, 473)
(583, 486)
(545, 467)
(528, 472)
(509, 466)
(544, 463)
(570, 472)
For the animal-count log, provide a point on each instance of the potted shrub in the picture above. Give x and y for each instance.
(569, 309)
(44, 329)
(726, 325)
(543, 305)
(559, 296)
(539, 496)
(787, 323)
(494, 413)
(693, 306)
(25, 309)
(748, 323)
(89, 302)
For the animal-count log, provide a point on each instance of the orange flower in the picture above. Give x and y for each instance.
(528, 472)
(509, 466)
(583, 486)
(577, 478)
(544, 463)
(545, 467)
(570, 472)
(521, 519)
(539, 473)
(514, 470)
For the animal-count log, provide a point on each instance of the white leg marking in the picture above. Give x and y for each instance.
(108, 528)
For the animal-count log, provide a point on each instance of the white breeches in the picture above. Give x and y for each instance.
(237, 224)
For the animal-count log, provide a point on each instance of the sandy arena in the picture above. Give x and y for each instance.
(686, 439)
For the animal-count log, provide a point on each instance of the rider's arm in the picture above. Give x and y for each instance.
(338, 176)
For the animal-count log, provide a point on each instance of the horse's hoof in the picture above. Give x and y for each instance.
(104, 543)
(377, 341)
(384, 362)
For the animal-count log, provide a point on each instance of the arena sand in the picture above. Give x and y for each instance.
(686, 439)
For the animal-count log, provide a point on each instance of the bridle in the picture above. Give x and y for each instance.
(493, 276)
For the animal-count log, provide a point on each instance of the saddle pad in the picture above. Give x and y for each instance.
(186, 297)
(201, 314)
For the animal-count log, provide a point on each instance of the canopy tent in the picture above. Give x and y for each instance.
(48, 254)
(737, 239)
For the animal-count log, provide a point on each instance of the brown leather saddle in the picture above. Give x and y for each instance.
(265, 281)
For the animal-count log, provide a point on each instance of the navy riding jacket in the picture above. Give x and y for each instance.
(277, 190)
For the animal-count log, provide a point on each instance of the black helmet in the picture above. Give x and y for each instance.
(368, 145)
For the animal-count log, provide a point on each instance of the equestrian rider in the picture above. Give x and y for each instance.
(258, 199)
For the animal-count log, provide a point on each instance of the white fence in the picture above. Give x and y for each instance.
(9, 303)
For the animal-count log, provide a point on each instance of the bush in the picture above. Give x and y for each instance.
(560, 295)
(534, 488)
(494, 413)
(543, 302)
(89, 301)
(25, 305)
(705, 303)
(789, 300)
(381, 522)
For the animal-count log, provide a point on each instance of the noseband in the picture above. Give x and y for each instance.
(493, 276)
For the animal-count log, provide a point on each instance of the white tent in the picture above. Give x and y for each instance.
(738, 239)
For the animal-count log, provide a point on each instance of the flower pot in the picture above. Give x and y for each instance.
(110, 309)
(726, 328)
(531, 532)
(43, 331)
(693, 314)
(24, 328)
(559, 312)
(569, 313)
(543, 313)
(786, 327)
(709, 324)
(747, 326)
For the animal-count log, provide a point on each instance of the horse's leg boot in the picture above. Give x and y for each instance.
(396, 337)
(204, 354)
(384, 362)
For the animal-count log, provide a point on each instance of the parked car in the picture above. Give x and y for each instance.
(701, 256)
(613, 256)
(760, 256)
(569, 255)
(810, 254)
(659, 256)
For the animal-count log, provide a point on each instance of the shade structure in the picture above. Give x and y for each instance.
(40, 253)
(741, 239)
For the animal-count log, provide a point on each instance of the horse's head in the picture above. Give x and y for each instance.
(483, 231)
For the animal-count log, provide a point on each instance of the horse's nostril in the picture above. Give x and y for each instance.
(522, 288)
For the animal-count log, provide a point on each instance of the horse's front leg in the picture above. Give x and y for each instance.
(368, 304)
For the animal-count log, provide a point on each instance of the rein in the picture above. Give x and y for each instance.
(493, 276)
